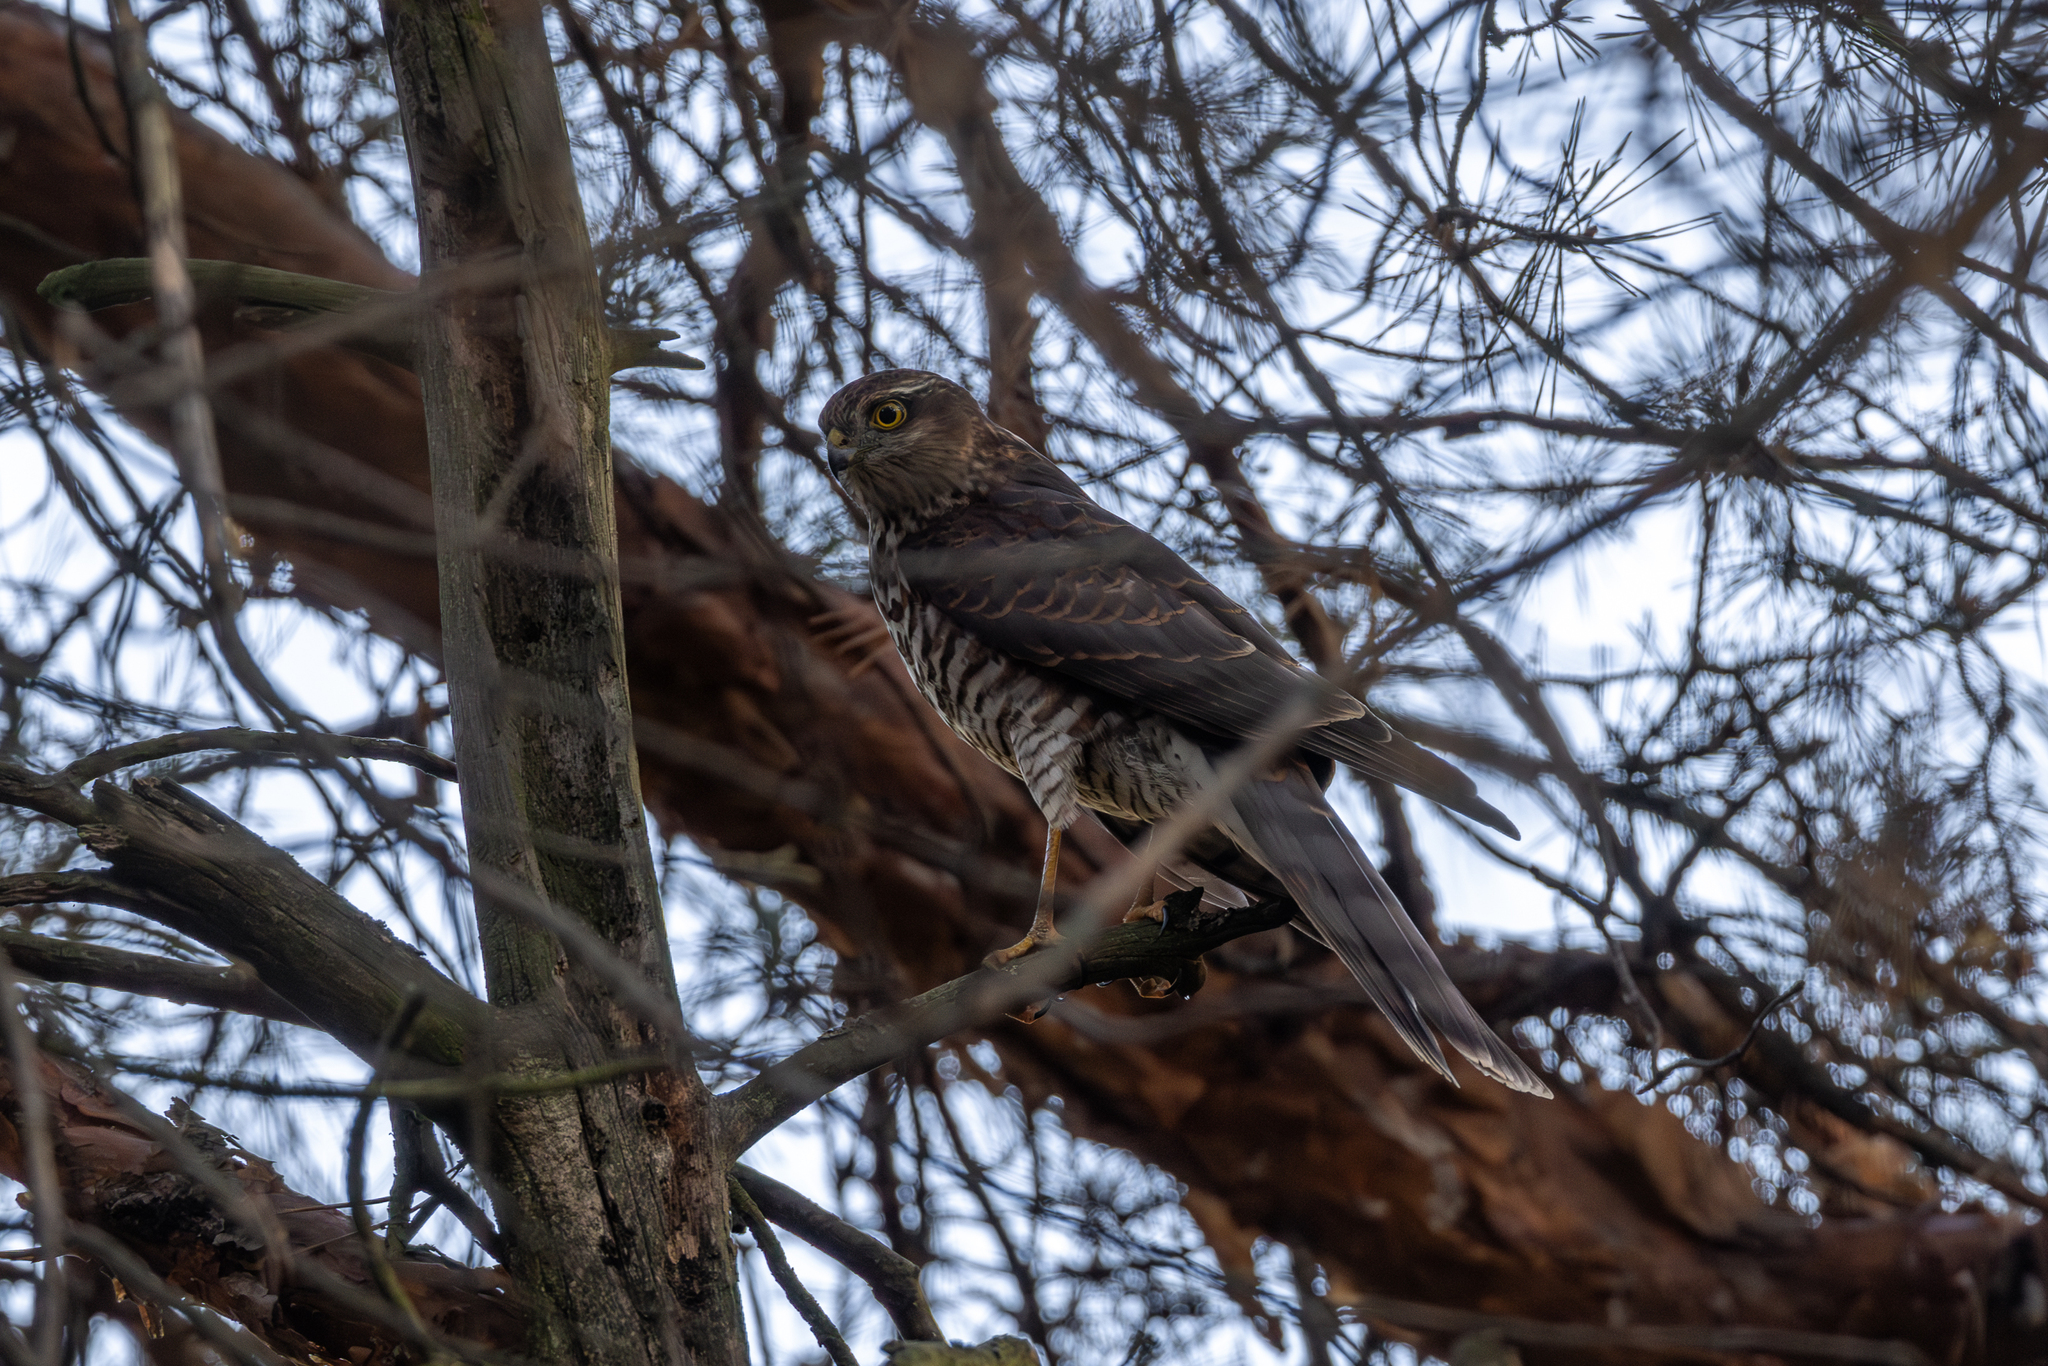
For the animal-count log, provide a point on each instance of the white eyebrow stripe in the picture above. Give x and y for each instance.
(909, 388)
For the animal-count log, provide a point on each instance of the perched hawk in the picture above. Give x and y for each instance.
(1092, 662)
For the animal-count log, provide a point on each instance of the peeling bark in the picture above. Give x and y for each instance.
(123, 1180)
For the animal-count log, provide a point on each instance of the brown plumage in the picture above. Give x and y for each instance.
(1087, 658)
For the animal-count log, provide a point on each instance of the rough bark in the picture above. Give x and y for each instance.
(614, 1195)
(1284, 1115)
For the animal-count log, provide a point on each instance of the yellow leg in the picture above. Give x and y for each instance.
(1042, 931)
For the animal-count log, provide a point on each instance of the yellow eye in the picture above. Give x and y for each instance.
(887, 415)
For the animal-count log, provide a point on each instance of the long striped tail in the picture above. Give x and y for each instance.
(1286, 824)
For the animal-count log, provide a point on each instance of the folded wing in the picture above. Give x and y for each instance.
(1044, 574)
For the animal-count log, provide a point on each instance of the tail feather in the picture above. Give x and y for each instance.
(1287, 825)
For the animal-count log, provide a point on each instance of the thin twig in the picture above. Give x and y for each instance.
(800, 1298)
(892, 1276)
(358, 1134)
(1709, 1064)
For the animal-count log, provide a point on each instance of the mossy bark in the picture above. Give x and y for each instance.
(613, 1198)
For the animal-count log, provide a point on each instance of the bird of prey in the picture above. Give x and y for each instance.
(1094, 663)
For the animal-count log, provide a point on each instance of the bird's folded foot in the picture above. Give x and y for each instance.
(853, 629)
(1040, 937)
(1153, 988)
(1174, 906)
(1154, 911)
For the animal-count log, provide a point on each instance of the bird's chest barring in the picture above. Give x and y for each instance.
(1069, 749)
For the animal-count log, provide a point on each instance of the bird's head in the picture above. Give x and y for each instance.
(906, 441)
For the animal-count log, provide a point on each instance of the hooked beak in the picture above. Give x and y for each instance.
(838, 452)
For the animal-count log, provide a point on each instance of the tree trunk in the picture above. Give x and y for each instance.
(613, 1196)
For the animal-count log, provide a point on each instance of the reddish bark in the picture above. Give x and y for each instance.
(1313, 1128)
(124, 1180)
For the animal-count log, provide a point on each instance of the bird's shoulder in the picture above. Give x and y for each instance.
(1036, 543)
(1035, 504)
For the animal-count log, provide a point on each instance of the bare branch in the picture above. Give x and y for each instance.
(893, 1278)
(229, 986)
(1664, 1072)
(281, 300)
(837, 1057)
(800, 1298)
(313, 745)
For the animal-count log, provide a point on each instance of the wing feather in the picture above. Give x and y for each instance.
(1044, 574)
(1040, 571)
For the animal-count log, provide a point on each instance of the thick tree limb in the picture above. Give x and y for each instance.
(136, 1274)
(177, 860)
(214, 881)
(1718, 1340)
(118, 1178)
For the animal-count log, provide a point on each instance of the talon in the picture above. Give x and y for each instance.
(1153, 988)
(1154, 912)
(1032, 1013)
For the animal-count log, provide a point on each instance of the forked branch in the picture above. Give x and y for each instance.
(892, 1276)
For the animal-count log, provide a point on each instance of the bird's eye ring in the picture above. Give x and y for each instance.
(887, 415)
